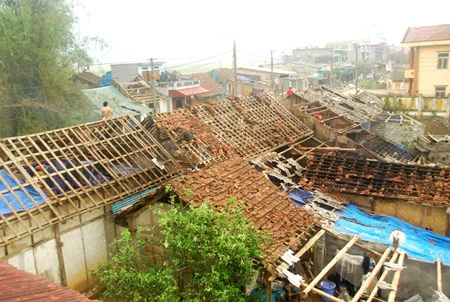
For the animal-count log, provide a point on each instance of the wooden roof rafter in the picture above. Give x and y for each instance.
(204, 148)
(66, 172)
(252, 124)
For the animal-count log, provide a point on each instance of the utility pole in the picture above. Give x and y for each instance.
(272, 83)
(331, 68)
(235, 69)
(356, 65)
(153, 87)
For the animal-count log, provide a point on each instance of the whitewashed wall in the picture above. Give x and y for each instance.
(83, 246)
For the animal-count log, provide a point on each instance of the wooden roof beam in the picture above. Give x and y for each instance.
(330, 265)
(439, 275)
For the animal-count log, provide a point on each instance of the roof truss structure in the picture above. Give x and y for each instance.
(247, 126)
(70, 171)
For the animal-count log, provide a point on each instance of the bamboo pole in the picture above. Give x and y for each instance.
(439, 275)
(372, 275)
(361, 246)
(396, 279)
(330, 265)
(310, 243)
(383, 276)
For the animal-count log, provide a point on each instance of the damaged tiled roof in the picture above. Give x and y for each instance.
(252, 125)
(344, 116)
(265, 205)
(427, 33)
(139, 91)
(369, 99)
(383, 149)
(89, 77)
(226, 73)
(352, 110)
(49, 177)
(342, 174)
(208, 83)
(248, 126)
(17, 285)
(202, 149)
(335, 170)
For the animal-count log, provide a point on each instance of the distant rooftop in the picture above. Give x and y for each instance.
(427, 34)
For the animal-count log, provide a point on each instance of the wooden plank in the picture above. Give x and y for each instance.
(322, 293)
(372, 275)
(439, 275)
(383, 276)
(310, 243)
(330, 265)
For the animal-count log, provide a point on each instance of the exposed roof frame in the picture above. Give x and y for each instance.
(66, 172)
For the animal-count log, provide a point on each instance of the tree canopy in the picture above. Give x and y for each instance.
(38, 50)
(208, 257)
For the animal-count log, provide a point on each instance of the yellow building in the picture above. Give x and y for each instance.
(428, 73)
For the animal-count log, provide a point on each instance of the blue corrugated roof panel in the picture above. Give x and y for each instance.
(129, 201)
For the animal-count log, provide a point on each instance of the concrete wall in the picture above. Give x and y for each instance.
(65, 253)
(424, 216)
(125, 72)
(419, 106)
(428, 74)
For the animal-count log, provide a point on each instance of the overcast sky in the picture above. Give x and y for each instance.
(137, 30)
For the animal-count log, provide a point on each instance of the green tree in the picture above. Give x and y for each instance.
(208, 258)
(130, 277)
(37, 53)
(399, 57)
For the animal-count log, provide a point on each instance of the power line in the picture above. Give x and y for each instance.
(206, 64)
(184, 64)
(259, 56)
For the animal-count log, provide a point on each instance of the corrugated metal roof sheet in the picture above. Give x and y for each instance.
(17, 285)
(120, 104)
(129, 201)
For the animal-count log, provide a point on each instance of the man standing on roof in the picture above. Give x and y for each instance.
(106, 111)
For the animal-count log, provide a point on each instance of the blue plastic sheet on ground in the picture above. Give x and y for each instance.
(420, 244)
(12, 182)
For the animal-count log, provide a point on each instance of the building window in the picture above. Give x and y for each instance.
(440, 92)
(443, 60)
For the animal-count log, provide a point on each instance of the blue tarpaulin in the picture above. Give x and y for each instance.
(298, 196)
(420, 244)
(9, 182)
(106, 79)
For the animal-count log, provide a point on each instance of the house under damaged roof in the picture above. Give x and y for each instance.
(264, 205)
(342, 121)
(50, 177)
(232, 147)
(247, 126)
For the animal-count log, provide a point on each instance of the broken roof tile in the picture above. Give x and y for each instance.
(246, 126)
(18, 285)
